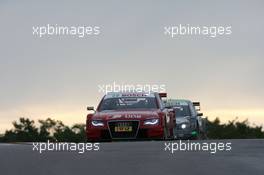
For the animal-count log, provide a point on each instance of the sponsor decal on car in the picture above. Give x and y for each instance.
(132, 116)
(127, 116)
(116, 116)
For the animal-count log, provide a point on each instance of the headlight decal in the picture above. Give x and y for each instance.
(97, 123)
(151, 121)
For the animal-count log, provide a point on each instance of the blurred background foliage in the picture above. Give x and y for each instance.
(25, 130)
(233, 130)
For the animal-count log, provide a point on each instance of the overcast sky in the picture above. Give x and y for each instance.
(59, 76)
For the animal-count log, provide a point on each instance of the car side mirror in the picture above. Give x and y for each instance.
(200, 114)
(170, 110)
(90, 108)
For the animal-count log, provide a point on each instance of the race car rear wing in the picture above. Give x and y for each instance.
(197, 106)
(163, 95)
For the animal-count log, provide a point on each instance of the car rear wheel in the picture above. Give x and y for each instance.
(165, 133)
(199, 133)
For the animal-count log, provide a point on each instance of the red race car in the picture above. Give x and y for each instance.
(129, 116)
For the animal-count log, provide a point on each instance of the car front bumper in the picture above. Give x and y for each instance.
(101, 134)
(185, 133)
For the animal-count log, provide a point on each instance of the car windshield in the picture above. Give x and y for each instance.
(128, 103)
(182, 111)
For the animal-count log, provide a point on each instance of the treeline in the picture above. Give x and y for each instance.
(25, 130)
(233, 130)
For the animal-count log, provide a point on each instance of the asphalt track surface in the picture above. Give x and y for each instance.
(125, 158)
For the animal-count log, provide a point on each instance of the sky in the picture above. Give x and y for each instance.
(58, 76)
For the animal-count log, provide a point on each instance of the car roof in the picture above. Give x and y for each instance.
(178, 102)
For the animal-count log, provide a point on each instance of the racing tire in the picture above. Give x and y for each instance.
(199, 134)
(165, 134)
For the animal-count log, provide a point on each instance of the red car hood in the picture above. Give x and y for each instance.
(126, 115)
